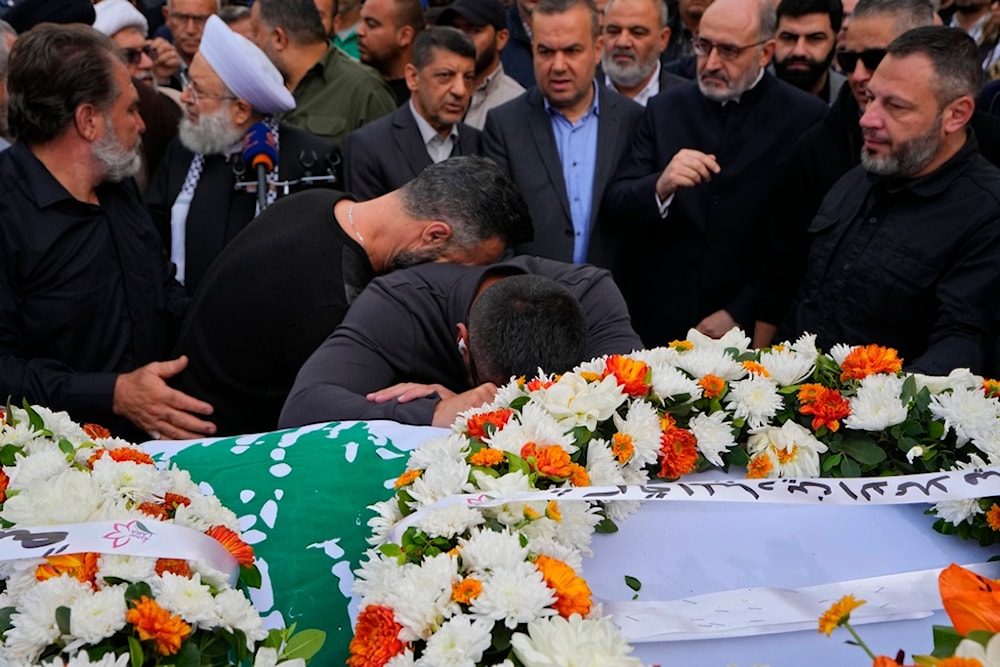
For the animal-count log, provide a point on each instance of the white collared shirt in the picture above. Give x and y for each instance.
(438, 148)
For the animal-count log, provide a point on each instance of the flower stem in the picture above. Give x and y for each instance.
(859, 641)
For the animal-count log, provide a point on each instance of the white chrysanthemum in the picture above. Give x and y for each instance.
(642, 425)
(514, 595)
(508, 514)
(602, 467)
(877, 404)
(58, 423)
(734, 338)
(187, 598)
(72, 496)
(447, 477)
(988, 656)
(573, 642)
(573, 401)
(485, 551)
(988, 442)
(214, 579)
(460, 642)
(806, 346)
(657, 357)
(98, 615)
(792, 449)
(967, 412)
(788, 366)
(126, 568)
(507, 394)
(575, 527)
(423, 596)
(82, 659)
(957, 511)
(44, 464)
(22, 435)
(668, 381)
(204, 513)
(449, 521)
(714, 434)
(554, 549)
(387, 514)
(404, 659)
(755, 399)
(180, 482)
(536, 425)
(34, 623)
(959, 378)
(19, 576)
(700, 362)
(140, 482)
(840, 351)
(447, 448)
(377, 576)
(235, 612)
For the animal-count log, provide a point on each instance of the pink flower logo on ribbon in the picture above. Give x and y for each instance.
(126, 532)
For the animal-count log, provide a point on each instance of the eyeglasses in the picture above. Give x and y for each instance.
(188, 84)
(198, 20)
(848, 60)
(133, 56)
(703, 47)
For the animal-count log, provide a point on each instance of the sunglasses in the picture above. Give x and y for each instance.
(133, 56)
(848, 60)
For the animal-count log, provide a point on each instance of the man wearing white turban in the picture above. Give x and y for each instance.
(194, 197)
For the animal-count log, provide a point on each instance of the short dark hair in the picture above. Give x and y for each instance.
(472, 195)
(298, 18)
(233, 13)
(411, 13)
(53, 70)
(550, 7)
(953, 55)
(444, 38)
(909, 14)
(524, 323)
(798, 8)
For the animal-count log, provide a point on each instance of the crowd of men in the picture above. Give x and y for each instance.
(225, 219)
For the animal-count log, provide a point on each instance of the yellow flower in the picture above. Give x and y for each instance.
(838, 614)
(993, 517)
(408, 478)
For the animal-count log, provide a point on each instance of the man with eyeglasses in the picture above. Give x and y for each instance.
(195, 197)
(186, 21)
(690, 197)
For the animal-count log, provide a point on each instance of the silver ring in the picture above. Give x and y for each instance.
(155, 435)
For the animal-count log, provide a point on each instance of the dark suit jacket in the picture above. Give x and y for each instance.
(518, 61)
(518, 136)
(700, 259)
(218, 212)
(667, 79)
(389, 152)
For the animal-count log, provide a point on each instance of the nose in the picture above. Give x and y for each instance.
(145, 62)
(139, 124)
(559, 61)
(712, 60)
(186, 96)
(800, 47)
(870, 119)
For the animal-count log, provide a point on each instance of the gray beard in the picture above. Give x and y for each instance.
(626, 76)
(909, 158)
(212, 134)
(117, 162)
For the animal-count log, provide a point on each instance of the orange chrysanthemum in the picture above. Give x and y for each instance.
(487, 457)
(82, 567)
(991, 388)
(622, 447)
(868, 360)
(578, 475)
(96, 431)
(955, 661)
(678, 450)
(407, 478)
(176, 566)
(122, 454)
(466, 590)
(590, 376)
(531, 513)
(631, 374)
(552, 511)
(554, 461)
(240, 550)
(993, 517)
(174, 500)
(838, 614)
(376, 638)
(497, 419)
(154, 622)
(755, 368)
(971, 601)
(712, 386)
(759, 467)
(537, 383)
(826, 406)
(155, 510)
(572, 592)
(4, 483)
(529, 450)
(810, 392)
(681, 345)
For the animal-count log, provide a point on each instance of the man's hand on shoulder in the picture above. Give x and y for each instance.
(687, 168)
(145, 399)
(448, 409)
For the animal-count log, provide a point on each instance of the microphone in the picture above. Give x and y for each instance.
(260, 152)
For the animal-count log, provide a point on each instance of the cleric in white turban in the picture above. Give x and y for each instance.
(115, 15)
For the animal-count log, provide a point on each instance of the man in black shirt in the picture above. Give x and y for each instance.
(87, 298)
(904, 247)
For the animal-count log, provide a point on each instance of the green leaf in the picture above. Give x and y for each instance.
(606, 526)
(275, 638)
(62, 619)
(9, 453)
(848, 468)
(66, 447)
(135, 651)
(946, 640)
(517, 463)
(304, 645)
(909, 389)
(137, 590)
(863, 450)
(34, 419)
(633, 583)
(250, 576)
(390, 550)
(188, 656)
(5, 615)
(831, 462)
(935, 430)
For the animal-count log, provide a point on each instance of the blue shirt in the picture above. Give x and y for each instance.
(577, 146)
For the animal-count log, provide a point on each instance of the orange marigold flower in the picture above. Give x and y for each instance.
(826, 406)
(176, 566)
(155, 510)
(529, 450)
(538, 383)
(678, 452)
(376, 638)
(531, 513)
(552, 511)
(240, 550)
(578, 475)
(407, 478)
(630, 373)
(681, 345)
(4, 483)
(760, 467)
(622, 447)
(838, 614)
(954, 661)
(466, 590)
(756, 368)
(993, 517)
(154, 622)
(487, 457)
(868, 360)
(132, 454)
(497, 419)
(174, 500)
(591, 376)
(554, 461)
(667, 422)
(992, 388)
(82, 567)
(810, 392)
(96, 431)
(572, 592)
(712, 386)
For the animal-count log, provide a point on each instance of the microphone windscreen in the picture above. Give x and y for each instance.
(259, 147)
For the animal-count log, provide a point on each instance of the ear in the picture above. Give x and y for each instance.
(501, 38)
(410, 72)
(404, 36)
(242, 112)
(766, 52)
(599, 45)
(957, 114)
(436, 234)
(89, 122)
(280, 39)
(166, 12)
(664, 39)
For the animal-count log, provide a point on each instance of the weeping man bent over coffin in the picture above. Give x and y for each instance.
(231, 87)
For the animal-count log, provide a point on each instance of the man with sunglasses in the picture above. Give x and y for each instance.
(693, 190)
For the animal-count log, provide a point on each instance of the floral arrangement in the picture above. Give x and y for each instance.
(972, 603)
(114, 609)
(502, 585)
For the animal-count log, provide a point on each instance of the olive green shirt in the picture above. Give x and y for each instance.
(337, 96)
